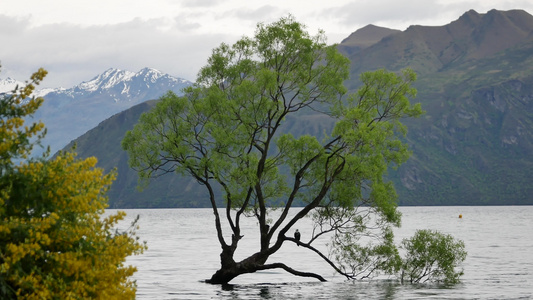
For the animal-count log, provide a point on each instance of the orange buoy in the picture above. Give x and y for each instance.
(460, 216)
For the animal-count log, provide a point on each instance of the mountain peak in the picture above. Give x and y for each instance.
(110, 78)
(364, 38)
(519, 19)
(471, 14)
(148, 70)
(8, 85)
(150, 75)
(497, 30)
(368, 35)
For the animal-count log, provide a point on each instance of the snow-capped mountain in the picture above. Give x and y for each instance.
(121, 85)
(8, 85)
(69, 113)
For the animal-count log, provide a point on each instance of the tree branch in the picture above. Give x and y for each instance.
(290, 270)
(308, 246)
(218, 224)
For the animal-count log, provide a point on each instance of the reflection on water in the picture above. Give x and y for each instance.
(183, 251)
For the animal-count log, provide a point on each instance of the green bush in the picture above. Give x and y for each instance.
(432, 256)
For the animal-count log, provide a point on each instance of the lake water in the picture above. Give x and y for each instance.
(183, 251)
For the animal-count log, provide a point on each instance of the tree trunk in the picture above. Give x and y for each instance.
(224, 275)
(230, 269)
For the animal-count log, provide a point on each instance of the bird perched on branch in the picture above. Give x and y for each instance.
(297, 237)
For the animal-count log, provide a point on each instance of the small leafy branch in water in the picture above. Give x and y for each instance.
(429, 256)
(432, 256)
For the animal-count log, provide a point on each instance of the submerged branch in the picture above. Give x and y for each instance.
(290, 270)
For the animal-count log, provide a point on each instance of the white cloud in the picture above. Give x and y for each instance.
(199, 3)
(401, 14)
(72, 53)
(76, 40)
(260, 13)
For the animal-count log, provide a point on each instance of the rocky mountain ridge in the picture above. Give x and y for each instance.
(429, 49)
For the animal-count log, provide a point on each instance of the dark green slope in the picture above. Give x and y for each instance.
(472, 150)
(169, 190)
(104, 141)
(474, 146)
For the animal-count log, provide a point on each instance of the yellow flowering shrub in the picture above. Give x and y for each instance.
(54, 241)
(15, 139)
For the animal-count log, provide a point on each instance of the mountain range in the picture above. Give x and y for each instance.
(473, 146)
(69, 113)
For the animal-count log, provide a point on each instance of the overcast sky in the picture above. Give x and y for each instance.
(77, 40)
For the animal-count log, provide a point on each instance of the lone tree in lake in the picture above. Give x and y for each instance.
(225, 133)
